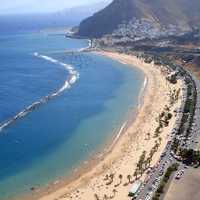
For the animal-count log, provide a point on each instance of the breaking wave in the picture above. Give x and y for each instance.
(71, 79)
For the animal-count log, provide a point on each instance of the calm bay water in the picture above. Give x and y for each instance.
(55, 138)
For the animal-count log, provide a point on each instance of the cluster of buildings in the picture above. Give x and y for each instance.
(138, 29)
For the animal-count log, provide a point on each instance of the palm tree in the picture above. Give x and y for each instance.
(167, 108)
(151, 153)
(96, 197)
(136, 174)
(114, 192)
(112, 176)
(120, 178)
(129, 178)
(147, 163)
(105, 197)
(111, 179)
(149, 135)
(159, 140)
(149, 159)
(156, 145)
(106, 177)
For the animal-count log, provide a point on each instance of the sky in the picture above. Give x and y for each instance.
(39, 6)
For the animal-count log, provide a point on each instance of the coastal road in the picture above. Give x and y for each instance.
(166, 160)
(195, 138)
(156, 176)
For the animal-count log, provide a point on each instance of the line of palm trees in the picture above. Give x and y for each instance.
(144, 162)
(163, 121)
(142, 165)
(174, 95)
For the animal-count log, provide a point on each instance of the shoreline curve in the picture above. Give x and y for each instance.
(63, 189)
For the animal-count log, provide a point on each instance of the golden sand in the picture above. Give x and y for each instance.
(138, 137)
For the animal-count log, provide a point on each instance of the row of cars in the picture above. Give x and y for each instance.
(167, 158)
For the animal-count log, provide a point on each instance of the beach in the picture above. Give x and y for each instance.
(109, 178)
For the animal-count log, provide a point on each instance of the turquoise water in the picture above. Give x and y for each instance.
(52, 140)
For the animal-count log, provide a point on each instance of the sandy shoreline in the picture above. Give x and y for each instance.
(127, 147)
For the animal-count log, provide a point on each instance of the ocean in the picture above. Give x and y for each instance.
(58, 107)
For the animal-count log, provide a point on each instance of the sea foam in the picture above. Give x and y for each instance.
(72, 77)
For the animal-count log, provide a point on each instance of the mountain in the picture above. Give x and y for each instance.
(77, 14)
(183, 14)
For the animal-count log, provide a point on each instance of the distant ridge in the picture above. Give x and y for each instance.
(184, 14)
(77, 14)
(63, 18)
